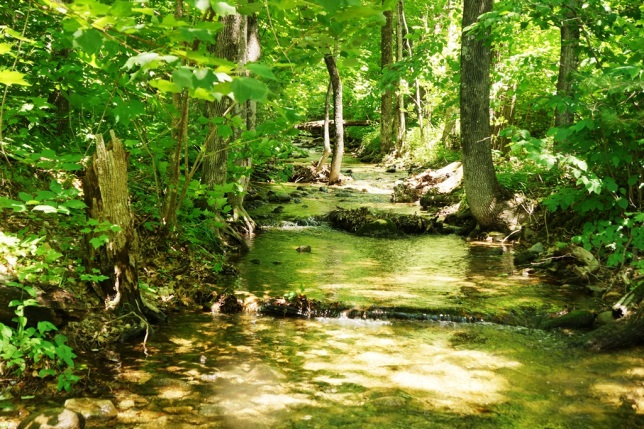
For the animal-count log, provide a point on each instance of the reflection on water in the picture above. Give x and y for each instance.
(246, 372)
(428, 272)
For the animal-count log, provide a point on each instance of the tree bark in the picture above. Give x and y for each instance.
(327, 135)
(399, 116)
(338, 149)
(482, 189)
(251, 51)
(215, 165)
(387, 98)
(568, 62)
(107, 199)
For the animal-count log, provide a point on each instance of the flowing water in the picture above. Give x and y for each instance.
(246, 371)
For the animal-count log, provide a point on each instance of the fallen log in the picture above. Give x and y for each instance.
(319, 125)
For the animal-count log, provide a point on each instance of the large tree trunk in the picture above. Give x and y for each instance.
(481, 186)
(568, 62)
(107, 199)
(387, 98)
(338, 149)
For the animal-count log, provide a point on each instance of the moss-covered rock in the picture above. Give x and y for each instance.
(380, 228)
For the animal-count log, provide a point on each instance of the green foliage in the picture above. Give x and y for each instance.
(23, 347)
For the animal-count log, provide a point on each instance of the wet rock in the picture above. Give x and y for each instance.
(279, 198)
(297, 200)
(57, 418)
(92, 409)
(390, 169)
(278, 209)
(584, 256)
(380, 228)
(304, 249)
(226, 304)
(255, 261)
(324, 189)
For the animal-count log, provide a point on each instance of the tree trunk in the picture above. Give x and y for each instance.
(482, 190)
(568, 62)
(401, 87)
(338, 149)
(387, 98)
(327, 137)
(107, 199)
(251, 48)
(215, 165)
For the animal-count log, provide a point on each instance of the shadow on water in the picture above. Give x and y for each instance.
(250, 372)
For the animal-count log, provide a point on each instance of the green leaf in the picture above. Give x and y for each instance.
(25, 197)
(46, 372)
(75, 204)
(8, 77)
(165, 86)
(88, 40)
(222, 8)
(99, 241)
(246, 88)
(261, 70)
(45, 326)
(5, 48)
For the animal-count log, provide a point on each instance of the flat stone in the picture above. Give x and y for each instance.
(56, 418)
(92, 408)
(186, 409)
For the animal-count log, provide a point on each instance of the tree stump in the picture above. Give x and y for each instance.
(107, 200)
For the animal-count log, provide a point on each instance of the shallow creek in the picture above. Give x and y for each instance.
(245, 371)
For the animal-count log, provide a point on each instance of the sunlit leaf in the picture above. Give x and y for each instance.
(165, 85)
(45, 208)
(222, 8)
(8, 77)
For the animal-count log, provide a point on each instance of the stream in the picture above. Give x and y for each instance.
(248, 371)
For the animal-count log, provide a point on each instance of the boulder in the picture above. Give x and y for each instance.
(56, 418)
(92, 409)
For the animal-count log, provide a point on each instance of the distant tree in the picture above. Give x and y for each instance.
(568, 62)
(386, 100)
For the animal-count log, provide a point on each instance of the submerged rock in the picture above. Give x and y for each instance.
(56, 418)
(305, 249)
